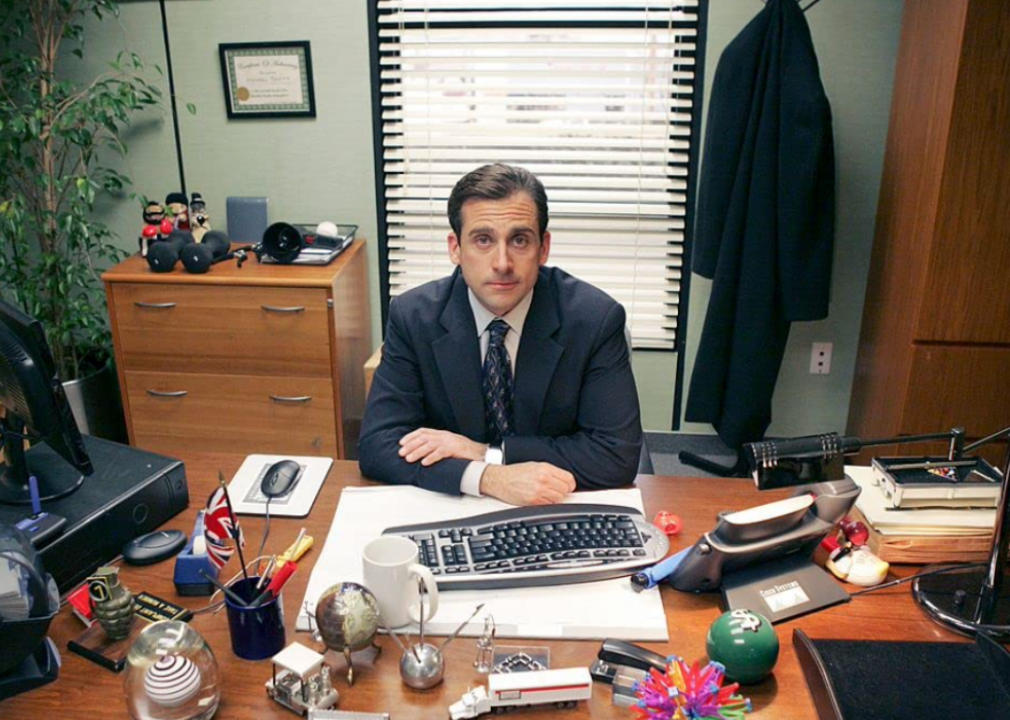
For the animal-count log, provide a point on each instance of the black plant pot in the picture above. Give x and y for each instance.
(97, 405)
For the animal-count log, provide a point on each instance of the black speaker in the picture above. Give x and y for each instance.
(218, 242)
(163, 255)
(282, 242)
(197, 258)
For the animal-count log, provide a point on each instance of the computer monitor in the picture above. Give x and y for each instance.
(36, 409)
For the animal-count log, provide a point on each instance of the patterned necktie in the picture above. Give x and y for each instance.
(497, 385)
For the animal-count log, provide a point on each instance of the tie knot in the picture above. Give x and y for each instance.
(498, 328)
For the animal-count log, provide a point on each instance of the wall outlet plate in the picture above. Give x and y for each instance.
(820, 358)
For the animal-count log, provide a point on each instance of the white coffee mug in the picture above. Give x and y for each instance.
(392, 573)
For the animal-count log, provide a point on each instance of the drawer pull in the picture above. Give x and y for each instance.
(294, 309)
(297, 399)
(168, 394)
(155, 306)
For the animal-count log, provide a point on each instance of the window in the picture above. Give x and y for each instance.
(597, 97)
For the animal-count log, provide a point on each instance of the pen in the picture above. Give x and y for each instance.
(266, 573)
(277, 583)
(232, 595)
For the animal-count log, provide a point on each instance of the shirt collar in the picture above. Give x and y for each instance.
(516, 317)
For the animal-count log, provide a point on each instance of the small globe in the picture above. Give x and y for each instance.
(745, 643)
(347, 616)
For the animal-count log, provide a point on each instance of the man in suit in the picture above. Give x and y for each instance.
(507, 378)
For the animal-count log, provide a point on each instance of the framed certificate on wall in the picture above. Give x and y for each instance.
(268, 79)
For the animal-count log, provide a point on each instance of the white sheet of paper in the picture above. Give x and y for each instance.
(598, 610)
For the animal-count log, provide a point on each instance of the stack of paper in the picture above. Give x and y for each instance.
(889, 520)
(595, 610)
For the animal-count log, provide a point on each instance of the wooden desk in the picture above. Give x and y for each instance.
(86, 690)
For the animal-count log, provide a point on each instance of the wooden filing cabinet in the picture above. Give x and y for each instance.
(263, 358)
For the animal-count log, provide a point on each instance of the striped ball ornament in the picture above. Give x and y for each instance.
(172, 680)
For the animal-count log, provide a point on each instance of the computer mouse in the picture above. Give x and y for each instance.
(154, 547)
(280, 478)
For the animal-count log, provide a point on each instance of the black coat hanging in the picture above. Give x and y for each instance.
(765, 220)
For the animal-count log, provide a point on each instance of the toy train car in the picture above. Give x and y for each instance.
(562, 688)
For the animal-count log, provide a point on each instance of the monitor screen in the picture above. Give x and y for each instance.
(36, 407)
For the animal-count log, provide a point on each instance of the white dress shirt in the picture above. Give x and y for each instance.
(515, 318)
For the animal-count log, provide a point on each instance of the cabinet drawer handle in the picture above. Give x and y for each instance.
(172, 394)
(155, 306)
(298, 399)
(294, 309)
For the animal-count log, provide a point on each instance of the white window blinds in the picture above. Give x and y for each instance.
(594, 96)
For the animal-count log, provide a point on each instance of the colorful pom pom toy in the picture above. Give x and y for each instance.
(689, 693)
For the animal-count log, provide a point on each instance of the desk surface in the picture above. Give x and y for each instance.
(94, 692)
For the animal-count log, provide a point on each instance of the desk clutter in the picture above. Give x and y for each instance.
(393, 578)
(180, 231)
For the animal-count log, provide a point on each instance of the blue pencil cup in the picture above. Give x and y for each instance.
(256, 632)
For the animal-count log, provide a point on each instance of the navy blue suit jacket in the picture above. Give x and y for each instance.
(575, 407)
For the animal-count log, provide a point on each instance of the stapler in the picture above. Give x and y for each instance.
(192, 562)
(619, 658)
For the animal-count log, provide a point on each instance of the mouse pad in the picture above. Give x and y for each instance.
(249, 499)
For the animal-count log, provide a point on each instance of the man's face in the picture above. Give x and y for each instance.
(500, 253)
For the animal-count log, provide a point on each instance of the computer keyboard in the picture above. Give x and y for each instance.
(543, 545)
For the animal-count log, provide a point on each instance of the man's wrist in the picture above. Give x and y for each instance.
(489, 479)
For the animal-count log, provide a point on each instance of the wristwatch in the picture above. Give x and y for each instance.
(494, 455)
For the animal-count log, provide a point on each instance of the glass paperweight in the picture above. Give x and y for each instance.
(171, 674)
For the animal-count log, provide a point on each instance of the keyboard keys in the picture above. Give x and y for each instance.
(545, 541)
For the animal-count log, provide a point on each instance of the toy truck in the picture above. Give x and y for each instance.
(561, 688)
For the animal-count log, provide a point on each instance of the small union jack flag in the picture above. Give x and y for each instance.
(221, 534)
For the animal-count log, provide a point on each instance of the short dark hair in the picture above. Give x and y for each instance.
(496, 182)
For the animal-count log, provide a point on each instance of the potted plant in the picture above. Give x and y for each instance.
(56, 136)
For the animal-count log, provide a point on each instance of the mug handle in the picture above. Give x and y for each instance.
(425, 576)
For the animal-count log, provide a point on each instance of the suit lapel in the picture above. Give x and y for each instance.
(457, 354)
(539, 354)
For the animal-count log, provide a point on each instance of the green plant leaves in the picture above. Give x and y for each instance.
(52, 246)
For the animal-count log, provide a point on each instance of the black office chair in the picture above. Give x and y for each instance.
(645, 459)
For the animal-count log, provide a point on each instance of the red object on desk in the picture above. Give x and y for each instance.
(281, 577)
(668, 522)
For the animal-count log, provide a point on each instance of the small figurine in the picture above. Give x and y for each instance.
(561, 688)
(154, 213)
(851, 559)
(303, 683)
(485, 647)
(178, 205)
(112, 601)
(198, 217)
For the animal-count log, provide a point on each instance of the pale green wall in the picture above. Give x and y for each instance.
(323, 168)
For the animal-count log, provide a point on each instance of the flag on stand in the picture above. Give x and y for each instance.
(221, 534)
